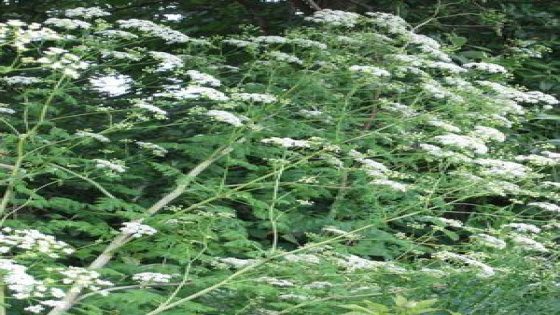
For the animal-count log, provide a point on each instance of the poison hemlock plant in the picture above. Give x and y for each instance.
(349, 159)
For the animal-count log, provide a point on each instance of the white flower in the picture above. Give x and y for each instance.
(391, 23)
(484, 66)
(463, 142)
(156, 149)
(287, 142)
(308, 43)
(276, 282)
(20, 80)
(486, 271)
(117, 34)
(238, 43)
(391, 184)
(151, 277)
(488, 133)
(151, 108)
(444, 125)
(112, 85)
(79, 276)
(236, 262)
(137, 230)
(18, 280)
(528, 243)
(523, 227)
(36, 309)
(169, 35)
(68, 24)
(195, 92)
(115, 166)
(33, 242)
(203, 78)
(375, 71)
(303, 258)
(489, 240)
(501, 168)
(334, 18)
(226, 117)
(446, 66)
(254, 97)
(86, 13)
(545, 206)
(96, 136)
(6, 110)
(281, 56)
(271, 40)
(167, 61)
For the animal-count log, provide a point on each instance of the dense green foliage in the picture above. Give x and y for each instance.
(348, 166)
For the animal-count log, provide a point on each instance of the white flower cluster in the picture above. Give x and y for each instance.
(489, 241)
(113, 166)
(83, 277)
(523, 227)
(528, 243)
(254, 97)
(137, 230)
(486, 271)
(68, 24)
(4, 109)
(154, 148)
(462, 142)
(203, 79)
(531, 97)
(538, 160)
(506, 169)
(271, 39)
(391, 23)
(117, 34)
(486, 67)
(33, 242)
(86, 13)
(96, 136)
(334, 18)
(152, 277)
(446, 66)
(239, 43)
(391, 184)
(237, 262)
(194, 92)
(18, 34)
(276, 282)
(287, 142)
(308, 43)
(303, 258)
(488, 134)
(112, 85)
(444, 125)
(226, 117)
(545, 206)
(158, 112)
(284, 57)
(375, 71)
(20, 80)
(167, 61)
(59, 59)
(16, 278)
(169, 35)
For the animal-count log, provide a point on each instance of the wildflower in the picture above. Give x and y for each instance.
(68, 24)
(523, 227)
(167, 61)
(276, 282)
(203, 78)
(112, 85)
(254, 97)
(226, 117)
(20, 80)
(287, 142)
(152, 277)
(271, 40)
(334, 18)
(86, 13)
(96, 136)
(378, 72)
(488, 133)
(137, 230)
(486, 67)
(170, 36)
(17, 280)
(501, 168)
(280, 56)
(444, 125)
(528, 243)
(36, 309)
(195, 92)
(545, 206)
(80, 276)
(463, 142)
(156, 149)
(115, 166)
(151, 108)
(303, 258)
(489, 240)
(486, 271)
(236, 262)
(391, 184)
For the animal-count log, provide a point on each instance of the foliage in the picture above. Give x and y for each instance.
(350, 159)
